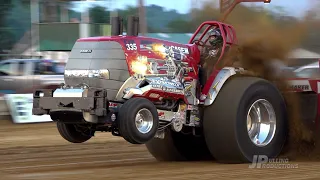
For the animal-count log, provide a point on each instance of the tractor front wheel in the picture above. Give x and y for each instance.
(138, 120)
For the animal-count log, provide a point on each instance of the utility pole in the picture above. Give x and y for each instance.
(113, 13)
(142, 17)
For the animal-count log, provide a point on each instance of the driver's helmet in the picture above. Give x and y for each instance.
(215, 38)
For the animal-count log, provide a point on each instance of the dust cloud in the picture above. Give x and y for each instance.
(262, 45)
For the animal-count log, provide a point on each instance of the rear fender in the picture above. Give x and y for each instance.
(218, 82)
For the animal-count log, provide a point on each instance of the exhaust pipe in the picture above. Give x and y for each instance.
(116, 26)
(133, 26)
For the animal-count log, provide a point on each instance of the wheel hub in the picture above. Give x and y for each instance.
(144, 121)
(261, 122)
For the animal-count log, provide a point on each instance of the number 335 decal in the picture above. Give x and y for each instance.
(131, 46)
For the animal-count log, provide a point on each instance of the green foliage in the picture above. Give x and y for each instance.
(5, 31)
(18, 19)
(128, 11)
(99, 14)
(6, 38)
(14, 21)
(74, 15)
(157, 18)
(180, 26)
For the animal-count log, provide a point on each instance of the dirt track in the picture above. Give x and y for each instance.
(37, 151)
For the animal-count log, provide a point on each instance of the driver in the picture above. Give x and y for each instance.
(211, 53)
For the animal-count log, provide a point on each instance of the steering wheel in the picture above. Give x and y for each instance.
(198, 42)
(201, 43)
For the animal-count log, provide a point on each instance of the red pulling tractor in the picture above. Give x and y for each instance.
(155, 92)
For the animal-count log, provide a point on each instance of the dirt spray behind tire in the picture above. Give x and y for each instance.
(262, 44)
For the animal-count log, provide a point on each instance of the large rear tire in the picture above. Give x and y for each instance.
(70, 133)
(178, 147)
(234, 115)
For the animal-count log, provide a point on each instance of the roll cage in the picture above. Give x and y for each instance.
(229, 39)
(227, 31)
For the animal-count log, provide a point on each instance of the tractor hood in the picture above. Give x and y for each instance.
(107, 62)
